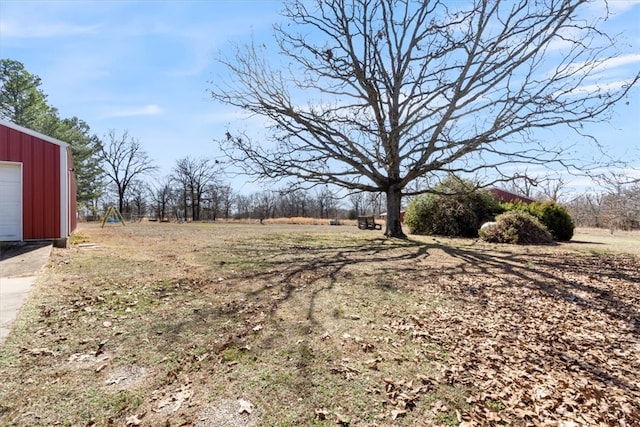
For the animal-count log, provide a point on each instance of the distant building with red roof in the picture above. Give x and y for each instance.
(508, 196)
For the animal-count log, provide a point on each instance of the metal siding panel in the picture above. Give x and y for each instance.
(64, 193)
(30, 132)
(37, 190)
(4, 143)
(9, 146)
(41, 196)
(46, 189)
(53, 203)
(15, 148)
(26, 156)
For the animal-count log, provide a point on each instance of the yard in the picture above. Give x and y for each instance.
(279, 325)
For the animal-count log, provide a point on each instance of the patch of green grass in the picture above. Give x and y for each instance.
(81, 406)
(232, 354)
(115, 404)
(454, 397)
(304, 355)
(494, 405)
(436, 351)
(449, 418)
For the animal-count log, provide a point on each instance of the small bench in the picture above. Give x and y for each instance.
(368, 223)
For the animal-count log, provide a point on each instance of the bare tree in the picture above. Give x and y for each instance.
(326, 203)
(614, 203)
(243, 204)
(523, 185)
(217, 201)
(293, 202)
(210, 205)
(135, 205)
(194, 175)
(396, 90)
(357, 201)
(541, 187)
(552, 189)
(374, 203)
(124, 161)
(587, 209)
(621, 201)
(161, 195)
(264, 204)
(225, 197)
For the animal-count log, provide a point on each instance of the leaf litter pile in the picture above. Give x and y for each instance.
(244, 325)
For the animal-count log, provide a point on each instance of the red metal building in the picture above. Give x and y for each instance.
(37, 186)
(508, 196)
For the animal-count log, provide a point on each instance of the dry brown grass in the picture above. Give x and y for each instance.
(296, 220)
(279, 324)
(603, 240)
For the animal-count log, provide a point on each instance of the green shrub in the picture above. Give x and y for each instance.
(518, 205)
(517, 227)
(553, 215)
(459, 211)
(419, 214)
(556, 218)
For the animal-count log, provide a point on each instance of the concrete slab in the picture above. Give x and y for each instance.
(24, 258)
(13, 293)
(20, 264)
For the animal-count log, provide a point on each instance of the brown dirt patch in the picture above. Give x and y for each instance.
(226, 413)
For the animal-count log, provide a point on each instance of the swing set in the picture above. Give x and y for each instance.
(112, 215)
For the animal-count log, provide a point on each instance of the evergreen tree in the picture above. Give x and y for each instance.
(21, 100)
(24, 103)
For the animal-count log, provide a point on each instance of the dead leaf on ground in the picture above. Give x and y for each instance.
(341, 419)
(246, 407)
(321, 414)
(133, 420)
(39, 352)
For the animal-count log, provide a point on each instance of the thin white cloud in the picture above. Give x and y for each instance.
(31, 30)
(147, 110)
(602, 68)
(608, 74)
(601, 87)
(610, 63)
(615, 7)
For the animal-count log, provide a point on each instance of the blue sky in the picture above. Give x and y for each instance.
(145, 66)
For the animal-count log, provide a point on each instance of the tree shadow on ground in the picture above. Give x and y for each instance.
(598, 287)
(329, 264)
(540, 271)
(471, 276)
(308, 271)
(573, 280)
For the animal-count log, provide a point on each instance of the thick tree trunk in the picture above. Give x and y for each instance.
(394, 204)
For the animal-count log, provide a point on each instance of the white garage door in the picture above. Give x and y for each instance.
(10, 202)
